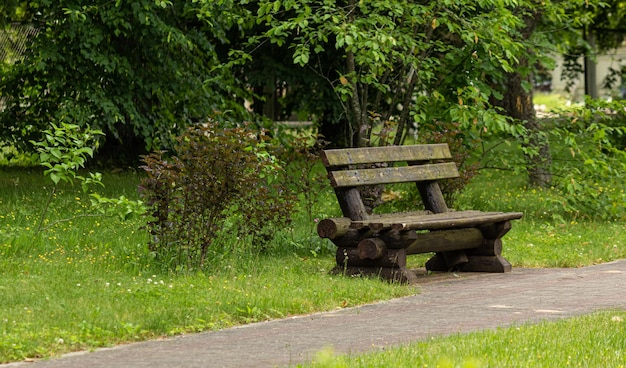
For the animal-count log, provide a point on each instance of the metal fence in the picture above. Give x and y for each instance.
(14, 41)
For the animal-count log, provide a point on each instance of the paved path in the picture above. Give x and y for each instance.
(447, 305)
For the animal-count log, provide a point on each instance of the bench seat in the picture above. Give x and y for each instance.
(434, 221)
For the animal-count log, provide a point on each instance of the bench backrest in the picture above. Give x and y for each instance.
(343, 172)
(353, 167)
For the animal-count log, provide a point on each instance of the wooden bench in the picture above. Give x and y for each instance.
(378, 244)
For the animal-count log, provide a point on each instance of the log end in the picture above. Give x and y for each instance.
(333, 227)
(372, 248)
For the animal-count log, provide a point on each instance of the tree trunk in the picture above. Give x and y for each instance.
(358, 100)
(539, 164)
(358, 111)
(518, 104)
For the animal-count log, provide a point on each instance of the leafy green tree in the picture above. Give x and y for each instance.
(9, 11)
(545, 25)
(403, 63)
(138, 70)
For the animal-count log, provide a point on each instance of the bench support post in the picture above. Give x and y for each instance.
(390, 264)
(432, 197)
(350, 203)
(485, 258)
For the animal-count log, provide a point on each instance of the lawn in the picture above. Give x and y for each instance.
(595, 340)
(91, 281)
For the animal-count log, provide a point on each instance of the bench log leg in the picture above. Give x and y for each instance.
(447, 261)
(488, 258)
(401, 275)
(497, 264)
(485, 258)
(391, 266)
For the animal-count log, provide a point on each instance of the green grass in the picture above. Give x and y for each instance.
(92, 282)
(547, 236)
(551, 101)
(50, 307)
(589, 341)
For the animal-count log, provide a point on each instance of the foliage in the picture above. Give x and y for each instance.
(93, 283)
(556, 27)
(299, 151)
(63, 151)
(545, 26)
(600, 29)
(549, 234)
(9, 11)
(392, 52)
(396, 67)
(218, 177)
(588, 165)
(133, 69)
(590, 168)
(608, 33)
(10, 156)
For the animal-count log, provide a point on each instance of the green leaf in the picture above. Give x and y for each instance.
(55, 177)
(56, 152)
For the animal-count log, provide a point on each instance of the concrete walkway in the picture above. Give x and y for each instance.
(447, 304)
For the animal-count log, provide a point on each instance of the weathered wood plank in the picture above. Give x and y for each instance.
(351, 204)
(446, 240)
(378, 244)
(352, 238)
(394, 239)
(366, 155)
(388, 175)
(455, 258)
(375, 216)
(420, 215)
(495, 230)
(486, 264)
(437, 221)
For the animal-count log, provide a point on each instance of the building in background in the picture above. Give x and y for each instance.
(607, 67)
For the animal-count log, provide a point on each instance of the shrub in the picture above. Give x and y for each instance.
(589, 169)
(63, 150)
(217, 178)
(299, 151)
